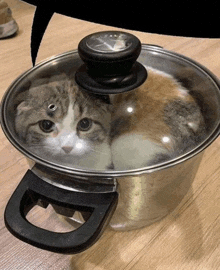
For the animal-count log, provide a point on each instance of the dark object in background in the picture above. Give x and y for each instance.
(185, 18)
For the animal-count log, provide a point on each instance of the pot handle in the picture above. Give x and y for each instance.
(33, 190)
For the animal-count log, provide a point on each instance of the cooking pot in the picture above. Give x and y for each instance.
(110, 166)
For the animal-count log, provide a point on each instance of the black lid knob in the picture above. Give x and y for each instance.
(109, 53)
(110, 62)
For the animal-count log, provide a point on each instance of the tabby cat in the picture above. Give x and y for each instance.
(58, 121)
(151, 124)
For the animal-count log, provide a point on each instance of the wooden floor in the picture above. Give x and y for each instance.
(187, 239)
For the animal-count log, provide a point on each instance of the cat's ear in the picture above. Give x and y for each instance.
(23, 107)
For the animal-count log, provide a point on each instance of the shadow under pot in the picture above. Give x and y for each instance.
(114, 131)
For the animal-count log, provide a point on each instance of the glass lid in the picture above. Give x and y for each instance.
(54, 118)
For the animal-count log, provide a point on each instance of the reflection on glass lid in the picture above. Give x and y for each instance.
(105, 42)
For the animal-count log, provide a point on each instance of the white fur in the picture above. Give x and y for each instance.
(67, 136)
(131, 151)
(68, 119)
(83, 154)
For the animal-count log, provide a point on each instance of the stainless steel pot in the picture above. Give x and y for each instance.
(125, 197)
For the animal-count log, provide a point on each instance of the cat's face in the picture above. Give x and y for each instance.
(61, 122)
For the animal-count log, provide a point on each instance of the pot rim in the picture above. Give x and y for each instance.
(107, 173)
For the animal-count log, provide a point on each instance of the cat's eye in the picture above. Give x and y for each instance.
(46, 126)
(84, 124)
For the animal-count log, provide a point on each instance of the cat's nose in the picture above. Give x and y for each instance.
(67, 149)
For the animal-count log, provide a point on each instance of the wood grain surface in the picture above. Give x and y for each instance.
(187, 239)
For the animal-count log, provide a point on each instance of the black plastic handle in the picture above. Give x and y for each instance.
(32, 189)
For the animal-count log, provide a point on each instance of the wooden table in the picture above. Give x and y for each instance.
(187, 239)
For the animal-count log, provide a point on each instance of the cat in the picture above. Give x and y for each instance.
(157, 122)
(61, 123)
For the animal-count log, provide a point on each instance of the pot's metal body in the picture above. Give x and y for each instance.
(147, 194)
(145, 199)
